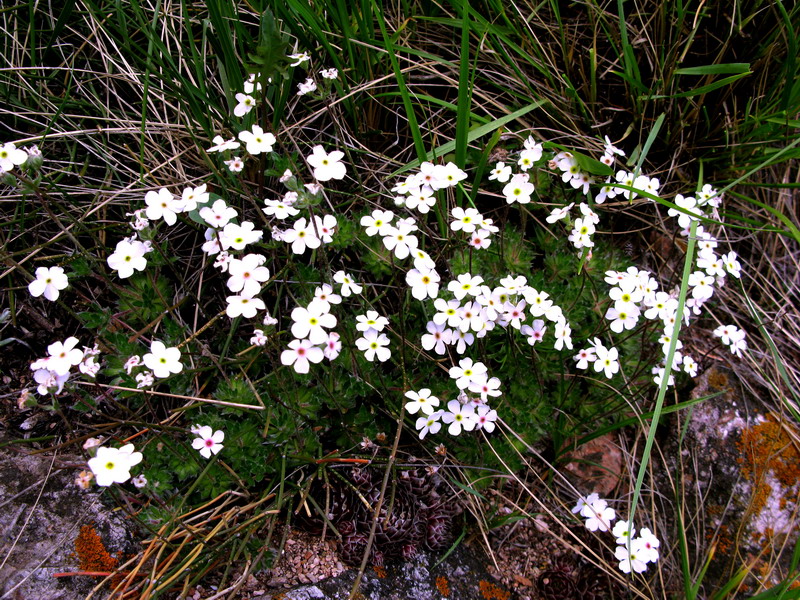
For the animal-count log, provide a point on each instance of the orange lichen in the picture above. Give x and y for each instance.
(92, 554)
(492, 592)
(379, 571)
(766, 447)
(717, 380)
(443, 586)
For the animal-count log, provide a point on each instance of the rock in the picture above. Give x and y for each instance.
(41, 512)
(461, 576)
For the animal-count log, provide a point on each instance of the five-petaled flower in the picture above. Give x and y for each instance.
(208, 441)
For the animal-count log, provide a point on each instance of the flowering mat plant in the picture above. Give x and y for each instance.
(304, 281)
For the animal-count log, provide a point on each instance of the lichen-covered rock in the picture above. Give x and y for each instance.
(461, 576)
(41, 514)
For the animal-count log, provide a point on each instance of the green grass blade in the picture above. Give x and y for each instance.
(473, 135)
(662, 389)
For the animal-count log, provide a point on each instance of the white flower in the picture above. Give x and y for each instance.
(133, 362)
(621, 532)
(646, 545)
(598, 515)
(563, 333)
(89, 367)
(606, 360)
(243, 306)
(332, 347)
(480, 240)
(468, 372)
(221, 144)
(256, 140)
(259, 338)
(689, 205)
(311, 323)
(400, 240)
(485, 418)
(209, 441)
(519, 189)
(702, 285)
(144, 379)
(486, 388)
(584, 503)
(324, 228)
(465, 284)
(218, 214)
(501, 173)
(515, 314)
(429, 424)
(629, 560)
(371, 321)
(584, 357)
(465, 220)
(623, 319)
(11, 156)
(306, 87)
(113, 465)
(235, 165)
(424, 283)
(49, 280)
(421, 198)
(448, 312)
(378, 223)
(127, 258)
(301, 236)
(247, 274)
(534, 333)
(238, 236)
(162, 204)
(279, 209)
(732, 265)
(331, 73)
(447, 176)
(327, 166)
(437, 338)
(689, 366)
(348, 285)
(63, 356)
(139, 481)
(324, 297)
(299, 58)
(191, 197)
(244, 106)
(374, 344)
(299, 354)
(421, 400)
(162, 360)
(459, 416)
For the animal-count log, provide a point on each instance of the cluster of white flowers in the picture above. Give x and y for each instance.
(161, 362)
(53, 371)
(633, 553)
(506, 305)
(311, 341)
(468, 412)
(733, 337)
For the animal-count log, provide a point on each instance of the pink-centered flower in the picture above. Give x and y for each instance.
(208, 441)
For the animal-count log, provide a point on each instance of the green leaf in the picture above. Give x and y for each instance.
(715, 69)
